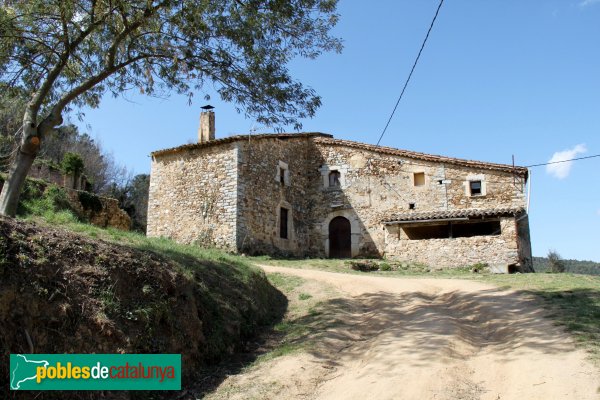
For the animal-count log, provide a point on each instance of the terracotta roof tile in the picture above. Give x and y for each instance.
(451, 214)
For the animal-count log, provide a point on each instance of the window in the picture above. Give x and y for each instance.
(419, 178)
(334, 176)
(283, 174)
(283, 223)
(334, 179)
(475, 188)
(411, 206)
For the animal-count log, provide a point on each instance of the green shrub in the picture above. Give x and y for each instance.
(385, 267)
(56, 198)
(53, 204)
(72, 163)
(479, 267)
(363, 265)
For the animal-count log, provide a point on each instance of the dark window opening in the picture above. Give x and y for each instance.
(282, 176)
(283, 223)
(482, 228)
(334, 179)
(428, 232)
(440, 182)
(475, 187)
(411, 206)
(453, 230)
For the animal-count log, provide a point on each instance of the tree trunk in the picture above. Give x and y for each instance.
(26, 153)
(11, 191)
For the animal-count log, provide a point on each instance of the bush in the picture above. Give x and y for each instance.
(364, 265)
(72, 163)
(385, 267)
(53, 204)
(555, 262)
(479, 267)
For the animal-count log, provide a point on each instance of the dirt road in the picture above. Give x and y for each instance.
(386, 338)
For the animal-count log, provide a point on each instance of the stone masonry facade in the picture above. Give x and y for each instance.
(309, 194)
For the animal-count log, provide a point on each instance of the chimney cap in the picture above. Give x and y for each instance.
(207, 107)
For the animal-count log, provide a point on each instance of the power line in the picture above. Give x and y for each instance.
(562, 161)
(411, 71)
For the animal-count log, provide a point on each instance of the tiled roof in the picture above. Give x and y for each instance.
(329, 139)
(425, 157)
(471, 213)
(236, 138)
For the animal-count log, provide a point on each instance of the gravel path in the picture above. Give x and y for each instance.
(387, 338)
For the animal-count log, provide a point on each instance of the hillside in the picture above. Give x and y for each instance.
(540, 264)
(64, 292)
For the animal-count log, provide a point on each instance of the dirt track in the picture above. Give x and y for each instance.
(385, 338)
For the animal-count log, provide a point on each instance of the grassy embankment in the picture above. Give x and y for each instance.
(69, 287)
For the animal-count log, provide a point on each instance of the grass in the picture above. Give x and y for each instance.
(51, 208)
(180, 253)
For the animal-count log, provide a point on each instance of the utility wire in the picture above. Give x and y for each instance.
(411, 72)
(562, 161)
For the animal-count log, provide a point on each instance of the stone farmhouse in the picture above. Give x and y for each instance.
(309, 194)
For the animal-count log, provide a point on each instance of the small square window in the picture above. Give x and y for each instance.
(411, 206)
(475, 187)
(419, 178)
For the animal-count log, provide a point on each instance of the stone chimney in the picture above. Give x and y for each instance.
(206, 131)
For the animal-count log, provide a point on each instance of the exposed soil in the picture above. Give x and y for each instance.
(62, 292)
(385, 338)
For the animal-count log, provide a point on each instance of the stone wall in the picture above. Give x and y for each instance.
(457, 252)
(375, 186)
(98, 210)
(232, 193)
(261, 195)
(193, 196)
(47, 173)
(51, 174)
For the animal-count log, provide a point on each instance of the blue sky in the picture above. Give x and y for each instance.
(497, 78)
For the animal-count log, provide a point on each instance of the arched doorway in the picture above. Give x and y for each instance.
(340, 242)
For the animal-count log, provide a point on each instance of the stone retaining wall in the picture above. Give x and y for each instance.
(100, 211)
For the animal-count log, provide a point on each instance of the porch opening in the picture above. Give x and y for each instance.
(453, 229)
